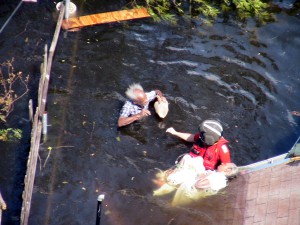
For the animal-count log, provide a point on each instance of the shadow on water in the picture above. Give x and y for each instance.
(245, 76)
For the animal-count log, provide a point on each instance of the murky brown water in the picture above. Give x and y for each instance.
(245, 76)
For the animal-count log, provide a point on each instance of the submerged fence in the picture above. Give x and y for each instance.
(37, 123)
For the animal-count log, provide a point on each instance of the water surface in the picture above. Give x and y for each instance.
(245, 76)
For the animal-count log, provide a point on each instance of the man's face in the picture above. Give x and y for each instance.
(141, 98)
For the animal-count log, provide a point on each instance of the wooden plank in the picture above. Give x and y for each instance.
(31, 168)
(108, 17)
(46, 77)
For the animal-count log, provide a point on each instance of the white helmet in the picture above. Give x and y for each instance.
(212, 131)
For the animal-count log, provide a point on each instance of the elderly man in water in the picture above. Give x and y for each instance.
(136, 107)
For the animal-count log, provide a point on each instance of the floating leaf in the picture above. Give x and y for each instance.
(118, 138)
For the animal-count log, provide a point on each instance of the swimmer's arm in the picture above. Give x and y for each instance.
(185, 136)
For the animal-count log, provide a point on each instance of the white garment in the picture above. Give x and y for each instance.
(192, 163)
(191, 181)
(188, 191)
(211, 180)
(217, 180)
(187, 171)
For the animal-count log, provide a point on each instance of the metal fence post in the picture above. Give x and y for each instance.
(30, 108)
(99, 199)
(67, 9)
(45, 123)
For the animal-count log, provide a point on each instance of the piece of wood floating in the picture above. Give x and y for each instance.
(108, 17)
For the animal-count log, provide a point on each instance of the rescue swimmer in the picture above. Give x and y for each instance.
(208, 143)
(203, 171)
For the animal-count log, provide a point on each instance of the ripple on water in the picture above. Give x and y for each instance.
(179, 63)
(175, 49)
(217, 80)
(250, 66)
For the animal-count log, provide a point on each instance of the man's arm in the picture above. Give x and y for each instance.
(185, 136)
(123, 121)
(159, 93)
(155, 94)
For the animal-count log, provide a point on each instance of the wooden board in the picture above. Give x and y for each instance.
(101, 18)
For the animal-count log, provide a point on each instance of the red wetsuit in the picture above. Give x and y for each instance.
(213, 155)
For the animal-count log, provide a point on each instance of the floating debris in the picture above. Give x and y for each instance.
(295, 113)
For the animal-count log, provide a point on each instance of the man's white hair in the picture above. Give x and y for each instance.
(130, 92)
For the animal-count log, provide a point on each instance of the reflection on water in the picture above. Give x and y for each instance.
(245, 76)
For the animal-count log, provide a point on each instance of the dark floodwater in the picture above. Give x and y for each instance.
(243, 75)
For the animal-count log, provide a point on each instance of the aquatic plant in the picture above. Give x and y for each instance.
(12, 88)
(10, 134)
(208, 10)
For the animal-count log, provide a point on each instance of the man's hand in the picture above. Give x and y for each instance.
(185, 136)
(161, 99)
(171, 130)
(143, 113)
(159, 93)
(123, 121)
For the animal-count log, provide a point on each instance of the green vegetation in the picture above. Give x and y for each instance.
(10, 134)
(208, 10)
(12, 88)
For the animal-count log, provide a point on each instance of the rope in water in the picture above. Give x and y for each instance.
(7, 21)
